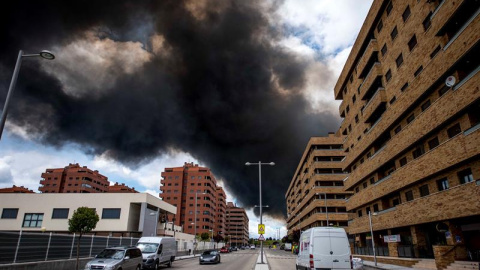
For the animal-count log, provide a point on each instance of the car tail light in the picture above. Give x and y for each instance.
(351, 262)
(311, 261)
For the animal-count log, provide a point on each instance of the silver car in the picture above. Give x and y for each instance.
(125, 258)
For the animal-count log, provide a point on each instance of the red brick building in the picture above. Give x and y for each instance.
(15, 189)
(221, 218)
(182, 187)
(121, 188)
(237, 225)
(73, 179)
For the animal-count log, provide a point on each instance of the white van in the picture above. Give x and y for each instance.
(157, 251)
(288, 246)
(324, 248)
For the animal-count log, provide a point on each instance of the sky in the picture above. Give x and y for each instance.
(138, 86)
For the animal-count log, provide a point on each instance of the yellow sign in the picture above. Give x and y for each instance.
(261, 228)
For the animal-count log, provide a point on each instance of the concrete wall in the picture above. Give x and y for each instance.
(57, 265)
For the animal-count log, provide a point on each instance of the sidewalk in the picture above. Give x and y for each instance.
(259, 265)
(385, 266)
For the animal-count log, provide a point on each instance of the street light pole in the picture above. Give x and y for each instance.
(44, 54)
(260, 192)
(371, 234)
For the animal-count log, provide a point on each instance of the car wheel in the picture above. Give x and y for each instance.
(138, 267)
(156, 265)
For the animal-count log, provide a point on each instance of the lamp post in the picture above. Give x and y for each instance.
(326, 209)
(195, 226)
(260, 192)
(44, 54)
(371, 233)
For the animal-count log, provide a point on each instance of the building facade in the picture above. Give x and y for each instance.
(221, 218)
(186, 186)
(316, 195)
(73, 179)
(237, 225)
(15, 189)
(121, 188)
(129, 214)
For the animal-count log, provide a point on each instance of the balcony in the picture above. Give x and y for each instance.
(375, 106)
(426, 209)
(370, 79)
(458, 149)
(370, 54)
(328, 164)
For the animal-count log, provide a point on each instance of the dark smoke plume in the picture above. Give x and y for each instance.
(217, 88)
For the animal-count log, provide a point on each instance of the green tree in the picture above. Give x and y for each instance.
(204, 236)
(83, 220)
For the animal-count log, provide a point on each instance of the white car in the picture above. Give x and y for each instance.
(252, 247)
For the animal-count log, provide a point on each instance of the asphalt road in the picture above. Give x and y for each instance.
(238, 260)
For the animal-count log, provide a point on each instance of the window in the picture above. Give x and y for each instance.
(435, 52)
(356, 118)
(406, 14)
(354, 98)
(433, 143)
(393, 100)
(425, 105)
(418, 151)
(403, 161)
(395, 202)
(389, 8)
(394, 33)
(10, 213)
(427, 22)
(365, 184)
(405, 86)
(398, 129)
(399, 60)
(357, 189)
(33, 220)
(412, 43)
(443, 90)
(424, 190)
(375, 208)
(60, 213)
(409, 195)
(111, 213)
(384, 49)
(454, 130)
(379, 26)
(359, 213)
(418, 71)
(465, 176)
(372, 180)
(410, 118)
(388, 75)
(442, 184)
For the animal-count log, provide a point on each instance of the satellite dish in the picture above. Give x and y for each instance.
(450, 81)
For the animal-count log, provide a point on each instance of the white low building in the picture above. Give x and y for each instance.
(121, 214)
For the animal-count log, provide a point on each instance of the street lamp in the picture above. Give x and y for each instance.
(260, 192)
(195, 238)
(326, 209)
(44, 54)
(371, 233)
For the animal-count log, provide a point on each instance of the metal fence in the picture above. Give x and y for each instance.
(16, 247)
(379, 251)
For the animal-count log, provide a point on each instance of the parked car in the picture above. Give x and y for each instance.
(230, 249)
(234, 249)
(288, 247)
(126, 258)
(242, 247)
(209, 256)
(252, 247)
(224, 250)
(324, 248)
(157, 251)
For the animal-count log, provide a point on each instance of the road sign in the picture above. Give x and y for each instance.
(261, 228)
(261, 238)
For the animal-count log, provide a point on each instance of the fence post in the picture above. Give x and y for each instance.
(73, 241)
(18, 246)
(48, 247)
(108, 239)
(91, 245)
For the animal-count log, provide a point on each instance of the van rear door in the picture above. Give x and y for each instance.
(331, 250)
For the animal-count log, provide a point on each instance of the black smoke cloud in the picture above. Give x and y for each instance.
(222, 92)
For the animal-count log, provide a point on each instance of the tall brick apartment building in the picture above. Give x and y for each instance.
(237, 225)
(317, 185)
(73, 179)
(412, 134)
(182, 186)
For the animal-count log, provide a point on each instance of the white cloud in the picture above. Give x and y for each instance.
(271, 225)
